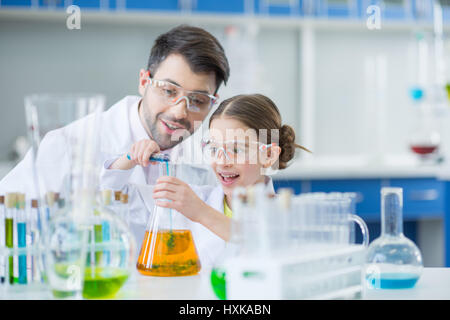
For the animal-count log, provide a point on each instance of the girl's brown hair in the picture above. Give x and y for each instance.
(256, 111)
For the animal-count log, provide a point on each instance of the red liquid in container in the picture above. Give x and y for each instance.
(423, 149)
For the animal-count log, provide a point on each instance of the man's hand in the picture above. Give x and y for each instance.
(139, 153)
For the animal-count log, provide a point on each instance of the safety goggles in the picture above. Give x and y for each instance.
(172, 94)
(234, 150)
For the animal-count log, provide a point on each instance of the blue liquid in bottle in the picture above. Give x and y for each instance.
(393, 281)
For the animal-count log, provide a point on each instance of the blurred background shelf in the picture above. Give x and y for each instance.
(155, 17)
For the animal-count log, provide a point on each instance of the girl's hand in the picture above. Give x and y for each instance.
(139, 153)
(183, 198)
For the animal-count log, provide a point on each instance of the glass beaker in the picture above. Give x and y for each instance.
(392, 261)
(168, 247)
(110, 254)
(64, 131)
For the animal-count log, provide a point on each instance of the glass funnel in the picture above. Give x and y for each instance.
(168, 247)
(392, 261)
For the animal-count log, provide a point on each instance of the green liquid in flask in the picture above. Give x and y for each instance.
(218, 282)
(103, 283)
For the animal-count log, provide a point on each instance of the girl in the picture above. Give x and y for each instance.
(246, 139)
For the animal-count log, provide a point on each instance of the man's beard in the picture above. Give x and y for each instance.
(164, 140)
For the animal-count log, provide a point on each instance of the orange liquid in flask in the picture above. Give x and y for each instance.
(169, 253)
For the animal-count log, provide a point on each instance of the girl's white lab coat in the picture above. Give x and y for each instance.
(120, 128)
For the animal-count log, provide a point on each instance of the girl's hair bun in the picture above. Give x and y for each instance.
(287, 145)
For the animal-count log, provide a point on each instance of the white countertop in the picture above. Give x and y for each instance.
(434, 284)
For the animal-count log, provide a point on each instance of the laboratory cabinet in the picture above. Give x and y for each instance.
(423, 199)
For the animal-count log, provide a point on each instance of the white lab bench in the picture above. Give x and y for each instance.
(434, 284)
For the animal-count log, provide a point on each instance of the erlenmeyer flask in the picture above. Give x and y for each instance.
(168, 247)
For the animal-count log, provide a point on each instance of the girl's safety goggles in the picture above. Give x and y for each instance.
(234, 149)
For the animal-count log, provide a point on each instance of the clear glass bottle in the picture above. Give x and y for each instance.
(393, 261)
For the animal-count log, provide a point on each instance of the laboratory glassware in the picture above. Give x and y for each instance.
(10, 202)
(393, 261)
(71, 169)
(2, 238)
(424, 139)
(124, 209)
(110, 253)
(53, 168)
(303, 240)
(168, 248)
(218, 271)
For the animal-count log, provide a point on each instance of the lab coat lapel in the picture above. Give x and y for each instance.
(215, 199)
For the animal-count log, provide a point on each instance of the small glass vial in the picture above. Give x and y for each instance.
(393, 261)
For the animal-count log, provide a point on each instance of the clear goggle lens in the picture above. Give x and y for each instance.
(173, 94)
(233, 150)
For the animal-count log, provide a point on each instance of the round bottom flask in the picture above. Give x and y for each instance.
(393, 261)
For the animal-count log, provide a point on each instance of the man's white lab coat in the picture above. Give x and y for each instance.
(120, 128)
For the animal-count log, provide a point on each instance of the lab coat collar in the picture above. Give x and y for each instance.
(215, 199)
(137, 128)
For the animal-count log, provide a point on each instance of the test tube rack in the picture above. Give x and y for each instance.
(35, 274)
(319, 273)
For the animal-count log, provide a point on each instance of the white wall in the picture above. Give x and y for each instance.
(346, 121)
(105, 57)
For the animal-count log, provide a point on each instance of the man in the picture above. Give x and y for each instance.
(187, 65)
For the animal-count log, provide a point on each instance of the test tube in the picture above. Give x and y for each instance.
(238, 203)
(106, 232)
(61, 203)
(124, 214)
(117, 197)
(285, 206)
(352, 196)
(124, 210)
(98, 238)
(34, 222)
(21, 237)
(50, 197)
(10, 200)
(15, 239)
(2, 238)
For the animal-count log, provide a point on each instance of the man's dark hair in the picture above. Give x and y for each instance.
(201, 50)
